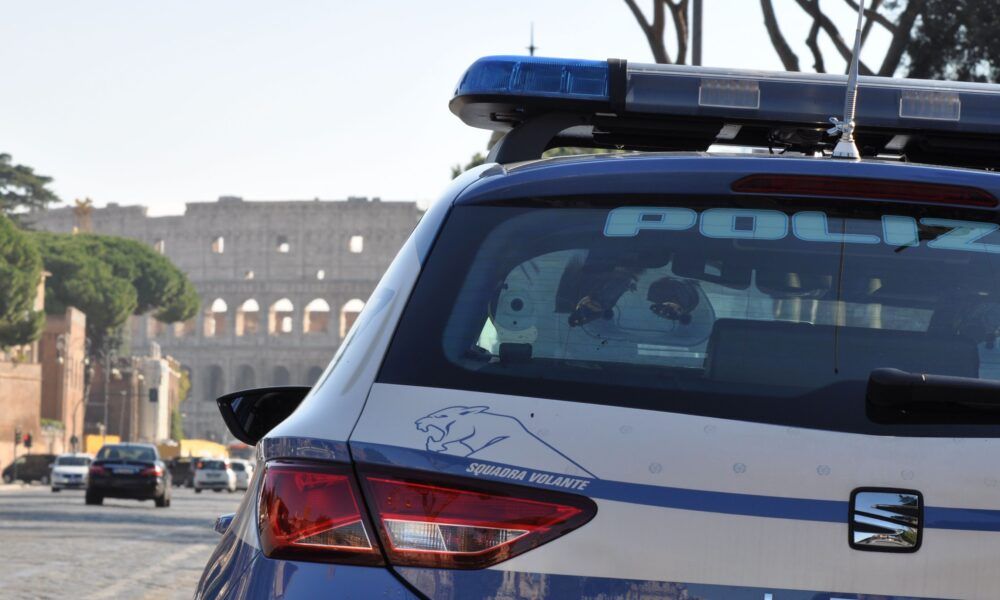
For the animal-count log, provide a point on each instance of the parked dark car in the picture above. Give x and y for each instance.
(182, 470)
(132, 471)
(30, 467)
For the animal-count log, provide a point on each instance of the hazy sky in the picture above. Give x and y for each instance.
(173, 102)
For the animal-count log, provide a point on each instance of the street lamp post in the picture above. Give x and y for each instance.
(110, 357)
(88, 376)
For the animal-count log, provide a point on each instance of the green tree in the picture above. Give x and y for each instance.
(477, 159)
(110, 278)
(930, 39)
(21, 189)
(20, 270)
(955, 39)
(176, 425)
(184, 387)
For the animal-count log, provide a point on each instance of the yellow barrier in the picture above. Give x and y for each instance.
(203, 448)
(93, 442)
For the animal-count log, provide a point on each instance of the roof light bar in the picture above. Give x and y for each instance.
(739, 96)
(803, 98)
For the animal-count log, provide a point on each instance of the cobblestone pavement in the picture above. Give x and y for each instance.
(54, 546)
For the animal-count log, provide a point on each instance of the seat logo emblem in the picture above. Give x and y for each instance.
(886, 520)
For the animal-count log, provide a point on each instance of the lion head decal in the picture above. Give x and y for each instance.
(450, 428)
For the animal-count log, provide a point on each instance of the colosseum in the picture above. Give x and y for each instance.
(281, 283)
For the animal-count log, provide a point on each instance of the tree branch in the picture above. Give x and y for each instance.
(813, 43)
(679, 12)
(653, 31)
(901, 38)
(812, 7)
(870, 23)
(872, 16)
(785, 53)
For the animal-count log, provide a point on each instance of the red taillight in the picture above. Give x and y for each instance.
(455, 527)
(869, 189)
(154, 471)
(97, 470)
(312, 512)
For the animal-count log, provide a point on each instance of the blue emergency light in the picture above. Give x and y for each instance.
(536, 77)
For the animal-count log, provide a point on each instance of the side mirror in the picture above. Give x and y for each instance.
(223, 522)
(250, 414)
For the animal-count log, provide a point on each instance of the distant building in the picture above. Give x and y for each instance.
(158, 396)
(21, 393)
(142, 391)
(63, 354)
(281, 283)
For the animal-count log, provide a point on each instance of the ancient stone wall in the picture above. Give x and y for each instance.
(280, 282)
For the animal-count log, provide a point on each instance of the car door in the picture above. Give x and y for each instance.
(701, 376)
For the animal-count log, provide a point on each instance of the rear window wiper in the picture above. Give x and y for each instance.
(896, 396)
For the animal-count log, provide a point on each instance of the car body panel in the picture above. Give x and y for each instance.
(182, 470)
(680, 489)
(207, 477)
(701, 173)
(244, 475)
(123, 478)
(70, 476)
(30, 467)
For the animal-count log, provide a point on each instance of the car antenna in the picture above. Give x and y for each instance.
(846, 148)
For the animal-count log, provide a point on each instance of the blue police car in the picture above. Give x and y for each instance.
(661, 369)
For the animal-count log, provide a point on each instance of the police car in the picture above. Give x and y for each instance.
(659, 371)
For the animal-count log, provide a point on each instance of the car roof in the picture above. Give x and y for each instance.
(687, 172)
(132, 444)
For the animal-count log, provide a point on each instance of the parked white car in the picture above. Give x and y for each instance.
(244, 472)
(70, 471)
(214, 474)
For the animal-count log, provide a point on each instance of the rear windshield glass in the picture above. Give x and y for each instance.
(213, 465)
(697, 306)
(72, 461)
(139, 453)
(238, 467)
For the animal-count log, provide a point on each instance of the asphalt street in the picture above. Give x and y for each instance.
(54, 546)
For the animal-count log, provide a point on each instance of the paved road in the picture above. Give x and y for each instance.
(54, 546)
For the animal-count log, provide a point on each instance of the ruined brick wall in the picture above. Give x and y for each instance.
(20, 406)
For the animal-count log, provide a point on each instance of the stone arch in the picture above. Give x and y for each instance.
(349, 314)
(280, 376)
(313, 374)
(317, 316)
(215, 318)
(215, 382)
(183, 329)
(246, 378)
(248, 318)
(281, 317)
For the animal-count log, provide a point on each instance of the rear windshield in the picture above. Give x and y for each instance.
(72, 461)
(238, 467)
(139, 453)
(745, 308)
(213, 465)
